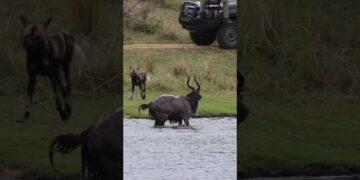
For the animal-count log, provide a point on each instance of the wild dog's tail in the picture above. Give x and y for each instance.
(66, 143)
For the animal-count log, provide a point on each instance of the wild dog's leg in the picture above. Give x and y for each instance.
(67, 94)
(144, 89)
(132, 90)
(55, 82)
(30, 92)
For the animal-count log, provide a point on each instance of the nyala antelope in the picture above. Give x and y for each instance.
(138, 79)
(49, 54)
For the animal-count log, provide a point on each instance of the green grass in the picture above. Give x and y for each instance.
(25, 145)
(101, 45)
(291, 138)
(302, 86)
(214, 69)
(153, 22)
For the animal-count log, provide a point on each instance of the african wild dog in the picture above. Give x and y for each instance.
(138, 79)
(174, 108)
(48, 55)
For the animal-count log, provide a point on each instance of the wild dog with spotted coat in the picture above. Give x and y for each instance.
(138, 79)
(48, 54)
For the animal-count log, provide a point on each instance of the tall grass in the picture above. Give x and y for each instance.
(170, 69)
(95, 26)
(292, 48)
(154, 21)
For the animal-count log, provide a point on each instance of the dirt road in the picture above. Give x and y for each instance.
(166, 46)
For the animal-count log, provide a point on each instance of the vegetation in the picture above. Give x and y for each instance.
(153, 21)
(300, 59)
(169, 70)
(25, 146)
(96, 26)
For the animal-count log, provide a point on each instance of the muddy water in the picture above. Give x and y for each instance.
(207, 150)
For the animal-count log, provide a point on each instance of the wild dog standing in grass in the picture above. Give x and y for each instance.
(49, 55)
(138, 79)
(242, 110)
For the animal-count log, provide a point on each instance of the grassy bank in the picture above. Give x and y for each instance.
(25, 146)
(154, 21)
(168, 70)
(300, 59)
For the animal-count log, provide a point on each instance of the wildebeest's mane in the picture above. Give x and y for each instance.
(193, 99)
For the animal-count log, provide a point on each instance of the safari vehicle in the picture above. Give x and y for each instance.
(204, 30)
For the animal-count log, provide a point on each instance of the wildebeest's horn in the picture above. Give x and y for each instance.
(192, 88)
(198, 89)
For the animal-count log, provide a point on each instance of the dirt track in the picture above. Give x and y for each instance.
(166, 46)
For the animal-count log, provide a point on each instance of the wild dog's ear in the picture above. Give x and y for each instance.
(130, 67)
(47, 23)
(24, 20)
(138, 68)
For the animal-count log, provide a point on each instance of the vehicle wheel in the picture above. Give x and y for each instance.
(227, 36)
(203, 39)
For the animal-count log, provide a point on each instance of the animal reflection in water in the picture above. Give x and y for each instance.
(101, 147)
(49, 54)
(174, 108)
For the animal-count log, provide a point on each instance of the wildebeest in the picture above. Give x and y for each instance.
(174, 108)
(242, 110)
(138, 79)
(49, 55)
(101, 147)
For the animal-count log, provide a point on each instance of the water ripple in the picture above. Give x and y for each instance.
(207, 150)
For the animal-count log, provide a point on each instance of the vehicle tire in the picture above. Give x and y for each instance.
(227, 36)
(203, 39)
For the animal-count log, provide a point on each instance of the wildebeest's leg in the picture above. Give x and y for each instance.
(132, 90)
(30, 92)
(109, 170)
(160, 120)
(56, 84)
(243, 112)
(186, 120)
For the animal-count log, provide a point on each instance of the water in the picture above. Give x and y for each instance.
(207, 150)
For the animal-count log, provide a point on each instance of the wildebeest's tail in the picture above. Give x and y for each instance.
(66, 143)
(145, 106)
